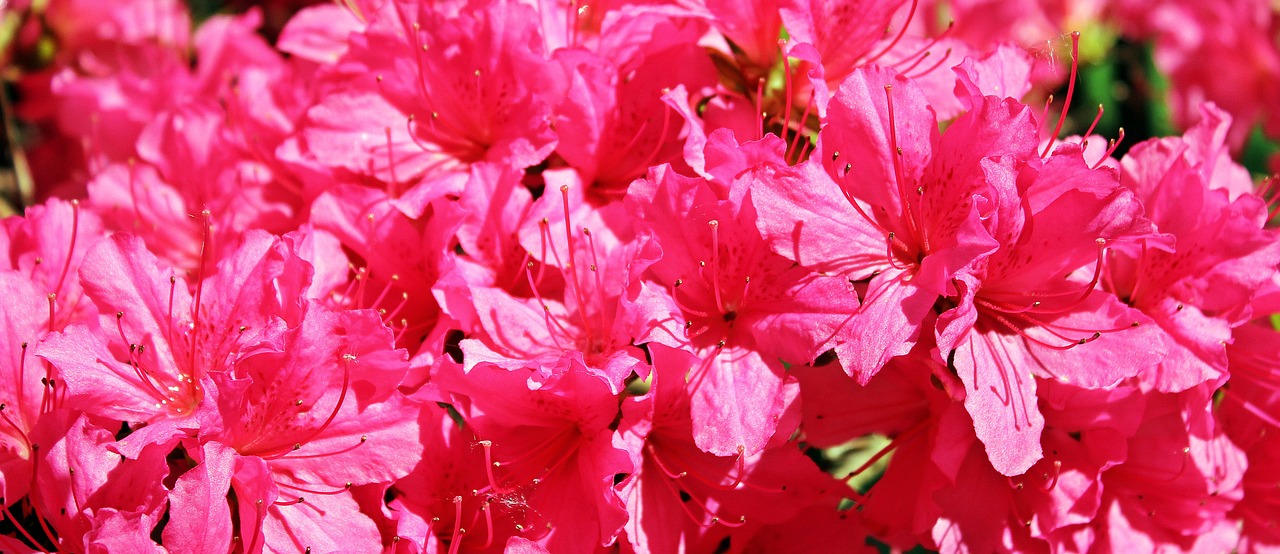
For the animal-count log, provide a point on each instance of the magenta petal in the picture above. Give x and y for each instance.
(115, 531)
(738, 402)
(99, 383)
(859, 132)
(813, 224)
(1001, 398)
(199, 516)
(324, 523)
(1128, 344)
(887, 325)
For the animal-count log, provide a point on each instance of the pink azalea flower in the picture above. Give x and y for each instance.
(303, 421)
(545, 430)
(969, 220)
(908, 246)
(734, 302)
(1203, 286)
(48, 244)
(435, 505)
(1237, 36)
(91, 496)
(927, 430)
(29, 388)
(85, 25)
(146, 370)
(589, 307)
(398, 259)
(1025, 315)
(681, 495)
(1177, 493)
(1248, 414)
(423, 94)
(613, 123)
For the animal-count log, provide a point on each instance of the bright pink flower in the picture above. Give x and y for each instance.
(546, 430)
(1020, 313)
(319, 412)
(1250, 413)
(82, 482)
(1238, 36)
(680, 495)
(582, 297)
(978, 218)
(48, 244)
(174, 199)
(751, 29)
(319, 33)
(830, 39)
(422, 94)
(435, 505)
(29, 387)
(138, 363)
(925, 427)
(733, 301)
(907, 223)
(613, 123)
(1178, 486)
(1085, 435)
(398, 260)
(147, 356)
(1204, 285)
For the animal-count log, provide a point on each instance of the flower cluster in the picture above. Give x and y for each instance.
(635, 276)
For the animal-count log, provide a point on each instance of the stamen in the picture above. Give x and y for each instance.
(928, 47)
(893, 445)
(344, 488)
(848, 196)
(1115, 143)
(456, 539)
(682, 306)
(715, 263)
(896, 153)
(786, 77)
(342, 397)
(22, 378)
(1071, 88)
(804, 120)
(901, 32)
(71, 249)
(206, 227)
(595, 271)
(1051, 481)
(1044, 115)
(546, 311)
(1093, 125)
(385, 289)
(662, 138)
(918, 61)
(288, 453)
(488, 525)
(4, 510)
(168, 332)
(408, 125)
(893, 260)
(22, 434)
(946, 55)
(489, 464)
(260, 514)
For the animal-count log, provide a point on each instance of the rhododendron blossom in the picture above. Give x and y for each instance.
(642, 276)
